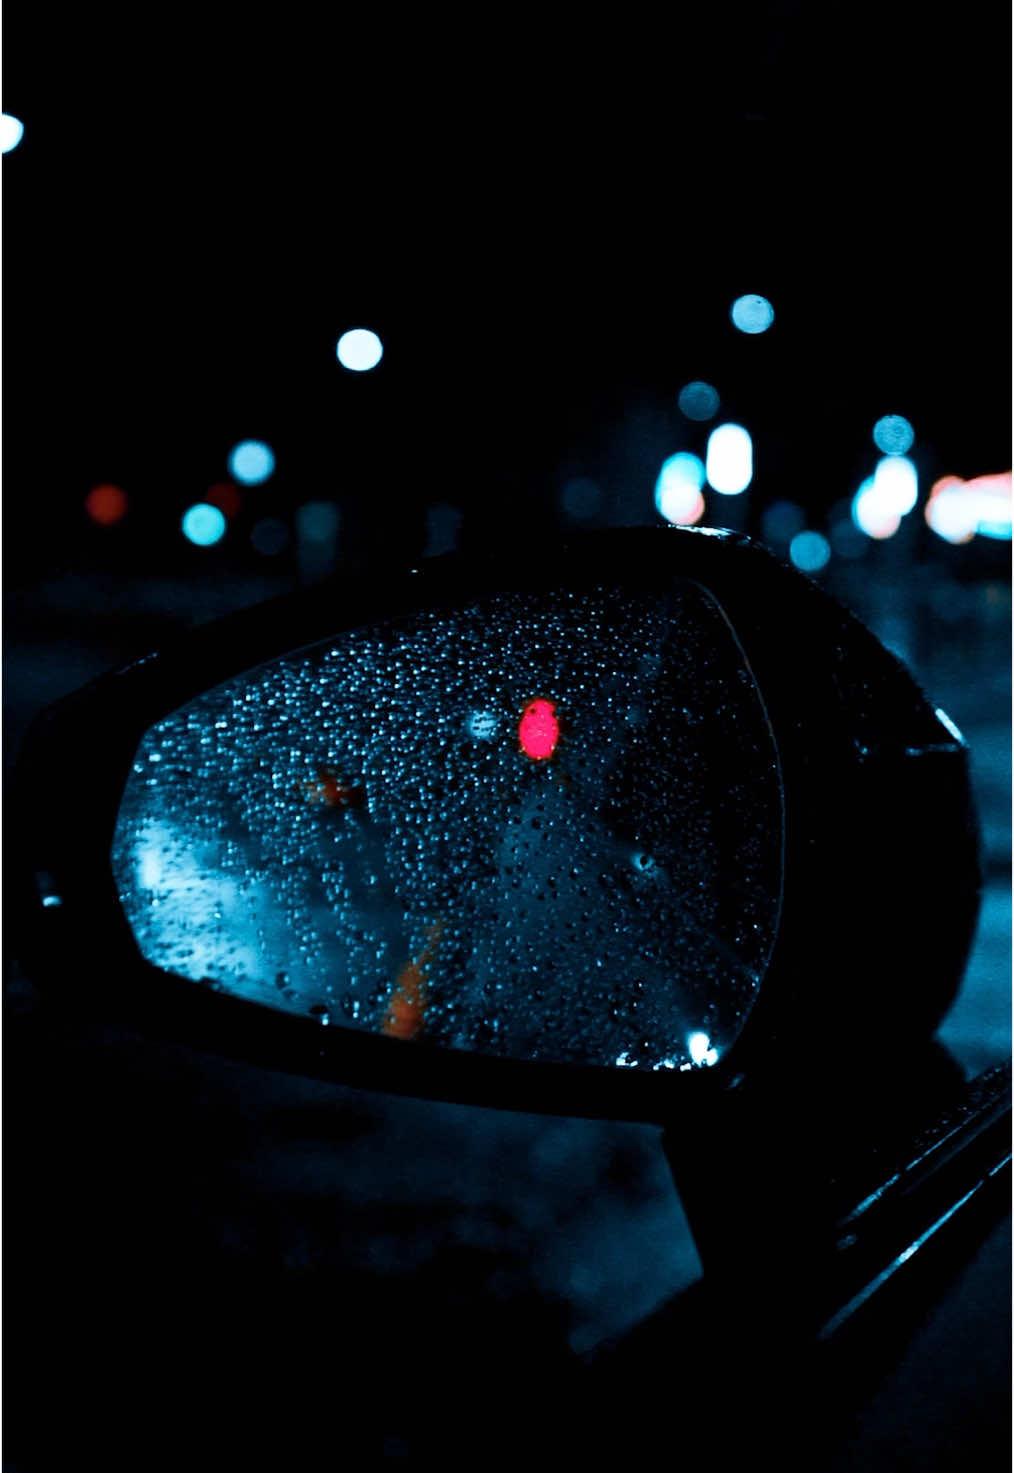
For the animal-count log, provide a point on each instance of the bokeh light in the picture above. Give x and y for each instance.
(730, 459)
(781, 521)
(251, 462)
(539, 730)
(318, 521)
(896, 483)
(203, 524)
(12, 130)
(359, 350)
(482, 725)
(581, 498)
(752, 314)
(678, 495)
(106, 505)
(957, 509)
(809, 552)
(226, 497)
(698, 400)
(893, 434)
(269, 536)
(872, 514)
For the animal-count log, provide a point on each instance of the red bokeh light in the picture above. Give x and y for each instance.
(226, 497)
(106, 505)
(539, 730)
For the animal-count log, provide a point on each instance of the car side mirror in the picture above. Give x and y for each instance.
(571, 834)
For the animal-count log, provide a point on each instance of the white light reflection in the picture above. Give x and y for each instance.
(701, 1052)
(730, 459)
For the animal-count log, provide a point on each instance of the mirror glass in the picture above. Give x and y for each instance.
(541, 826)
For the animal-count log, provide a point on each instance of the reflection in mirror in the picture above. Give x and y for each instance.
(544, 827)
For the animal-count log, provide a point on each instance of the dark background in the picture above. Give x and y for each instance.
(547, 231)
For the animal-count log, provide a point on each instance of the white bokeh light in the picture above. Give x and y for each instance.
(729, 459)
(359, 350)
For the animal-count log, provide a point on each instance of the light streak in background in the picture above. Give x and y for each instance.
(203, 524)
(698, 400)
(678, 495)
(251, 462)
(957, 510)
(893, 434)
(539, 730)
(12, 130)
(752, 314)
(729, 460)
(106, 505)
(359, 350)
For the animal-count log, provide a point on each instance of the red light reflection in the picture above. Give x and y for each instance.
(539, 730)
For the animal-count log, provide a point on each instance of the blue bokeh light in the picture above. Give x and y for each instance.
(752, 314)
(203, 524)
(318, 521)
(251, 462)
(730, 459)
(678, 489)
(810, 551)
(893, 434)
(781, 521)
(698, 400)
(12, 130)
(359, 350)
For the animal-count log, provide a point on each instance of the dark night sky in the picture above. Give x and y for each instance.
(543, 231)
